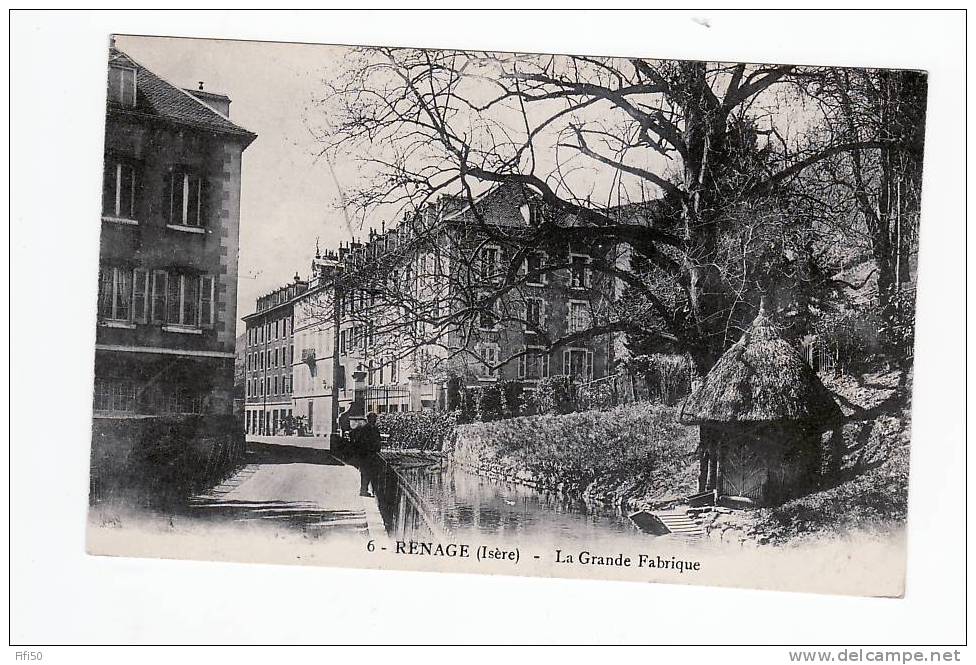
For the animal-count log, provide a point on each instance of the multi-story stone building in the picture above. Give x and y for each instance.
(167, 288)
(269, 353)
(387, 345)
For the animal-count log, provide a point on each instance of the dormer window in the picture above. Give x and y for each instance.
(122, 85)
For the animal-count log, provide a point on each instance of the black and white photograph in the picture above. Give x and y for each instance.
(401, 308)
(532, 314)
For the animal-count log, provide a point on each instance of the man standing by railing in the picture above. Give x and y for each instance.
(365, 450)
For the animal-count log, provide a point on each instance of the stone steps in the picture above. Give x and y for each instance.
(674, 523)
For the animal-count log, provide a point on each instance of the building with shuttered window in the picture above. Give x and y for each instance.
(167, 283)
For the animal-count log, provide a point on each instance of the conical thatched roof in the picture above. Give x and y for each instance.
(761, 378)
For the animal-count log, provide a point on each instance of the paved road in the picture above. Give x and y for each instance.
(295, 486)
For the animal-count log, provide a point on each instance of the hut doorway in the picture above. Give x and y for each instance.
(745, 473)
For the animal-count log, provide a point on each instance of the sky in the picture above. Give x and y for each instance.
(287, 197)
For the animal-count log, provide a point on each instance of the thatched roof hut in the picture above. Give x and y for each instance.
(761, 378)
(762, 410)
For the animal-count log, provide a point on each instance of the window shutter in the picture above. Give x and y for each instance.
(177, 210)
(173, 304)
(128, 87)
(589, 366)
(567, 369)
(167, 203)
(207, 301)
(108, 187)
(140, 295)
(191, 300)
(123, 294)
(105, 292)
(193, 184)
(158, 314)
(127, 191)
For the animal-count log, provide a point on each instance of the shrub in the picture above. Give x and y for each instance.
(640, 441)
(294, 425)
(665, 377)
(466, 404)
(511, 393)
(488, 404)
(455, 390)
(596, 395)
(554, 395)
(426, 430)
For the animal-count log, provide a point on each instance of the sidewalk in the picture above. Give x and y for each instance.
(293, 483)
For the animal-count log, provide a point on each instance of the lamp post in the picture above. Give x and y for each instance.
(336, 365)
(264, 379)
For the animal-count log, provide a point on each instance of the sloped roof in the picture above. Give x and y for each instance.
(157, 97)
(761, 378)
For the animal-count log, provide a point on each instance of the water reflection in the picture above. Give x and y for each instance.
(447, 502)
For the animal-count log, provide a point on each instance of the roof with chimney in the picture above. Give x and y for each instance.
(156, 97)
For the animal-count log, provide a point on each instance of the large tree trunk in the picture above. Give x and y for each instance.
(704, 137)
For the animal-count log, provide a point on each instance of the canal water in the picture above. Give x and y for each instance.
(446, 502)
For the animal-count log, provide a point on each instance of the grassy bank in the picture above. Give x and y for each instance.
(625, 455)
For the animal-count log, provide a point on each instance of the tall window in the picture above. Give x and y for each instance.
(488, 317)
(579, 316)
(122, 85)
(140, 295)
(119, 189)
(489, 358)
(578, 363)
(534, 263)
(489, 262)
(189, 300)
(185, 200)
(579, 277)
(533, 312)
(534, 364)
(114, 293)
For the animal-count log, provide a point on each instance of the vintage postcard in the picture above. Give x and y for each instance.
(502, 313)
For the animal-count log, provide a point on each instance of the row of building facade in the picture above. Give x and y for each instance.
(296, 331)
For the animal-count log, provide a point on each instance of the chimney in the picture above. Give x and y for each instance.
(218, 102)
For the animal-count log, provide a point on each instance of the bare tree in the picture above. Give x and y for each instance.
(874, 192)
(594, 140)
